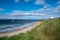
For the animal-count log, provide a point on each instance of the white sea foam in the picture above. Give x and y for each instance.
(10, 27)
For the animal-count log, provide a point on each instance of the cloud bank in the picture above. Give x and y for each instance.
(45, 12)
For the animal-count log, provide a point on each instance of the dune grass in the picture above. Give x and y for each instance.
(47, 30)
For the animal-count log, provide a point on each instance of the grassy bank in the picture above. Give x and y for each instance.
(47, 30)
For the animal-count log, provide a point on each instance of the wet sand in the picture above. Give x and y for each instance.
(20, 30)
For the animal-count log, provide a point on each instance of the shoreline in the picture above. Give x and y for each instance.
(20, 30)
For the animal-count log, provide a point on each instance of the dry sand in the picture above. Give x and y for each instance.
(19, 30)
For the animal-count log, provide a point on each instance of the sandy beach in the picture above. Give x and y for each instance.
(20, 30)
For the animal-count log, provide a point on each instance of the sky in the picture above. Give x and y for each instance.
(29, 9)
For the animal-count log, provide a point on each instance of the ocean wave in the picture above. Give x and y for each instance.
(6, 28)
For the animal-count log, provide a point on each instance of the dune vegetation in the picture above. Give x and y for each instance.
(47, 30)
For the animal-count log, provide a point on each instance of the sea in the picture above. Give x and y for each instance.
(9, 25)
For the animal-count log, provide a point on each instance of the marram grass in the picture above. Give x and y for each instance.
(47, 30)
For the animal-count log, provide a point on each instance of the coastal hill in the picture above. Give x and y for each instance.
(47, 30)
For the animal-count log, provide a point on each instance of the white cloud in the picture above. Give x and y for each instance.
(38, 2)
(27, 0)
(1, 9)
(45, 12)
(26, 13)
(52, 17)
(47, 5)
(57, 9)
(16, 1)
(30, 13)
(18, 12)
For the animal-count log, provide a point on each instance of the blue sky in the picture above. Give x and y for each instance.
(29, 9)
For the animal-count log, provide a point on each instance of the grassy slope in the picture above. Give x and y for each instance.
(48, 30)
